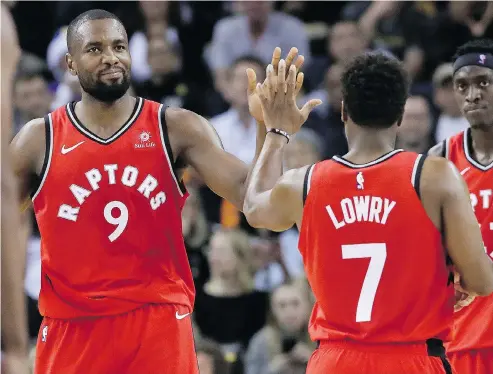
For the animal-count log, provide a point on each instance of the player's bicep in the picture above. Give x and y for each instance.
(463, 238)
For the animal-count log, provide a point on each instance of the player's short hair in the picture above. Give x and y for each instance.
(90, 15)
(374, 90)
(484, 45)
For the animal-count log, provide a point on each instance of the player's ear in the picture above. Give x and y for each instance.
(71, 66)
(344, 115)
(399, 121)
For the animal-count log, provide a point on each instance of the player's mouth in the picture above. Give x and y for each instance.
(474, 109)
(112, 74)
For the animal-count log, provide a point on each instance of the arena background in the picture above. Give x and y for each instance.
(253, 302)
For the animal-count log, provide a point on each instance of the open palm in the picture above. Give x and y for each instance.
(254, 104)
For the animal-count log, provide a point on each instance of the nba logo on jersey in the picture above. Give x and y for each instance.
(45, 334)
(482, 59)
(359, 181)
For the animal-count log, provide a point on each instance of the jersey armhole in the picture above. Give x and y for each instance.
(173, 165)
(38, 180)
(416, 175)
(307, 182)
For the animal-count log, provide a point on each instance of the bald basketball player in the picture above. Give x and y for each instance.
(117, 292)
(14, 321)
(371, 225)
(471, 151)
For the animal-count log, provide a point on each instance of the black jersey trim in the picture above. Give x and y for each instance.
(467, 140)
(70, 109)
(174, 165)
(444, 152)
(40, 179)
(416, 175)
(306, 182)
(386, 156)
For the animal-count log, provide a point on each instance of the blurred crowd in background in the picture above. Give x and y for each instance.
(253, 302)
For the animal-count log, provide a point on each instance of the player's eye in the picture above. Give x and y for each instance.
(93, 50)
(120, 47)
(484, 83)
(461, 86)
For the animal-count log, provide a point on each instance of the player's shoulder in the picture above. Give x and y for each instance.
(34, 130)
(190, 126)
(439, 175)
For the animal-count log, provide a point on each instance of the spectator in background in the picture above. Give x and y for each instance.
(345, 40)
(450, 120)
(166, 84)
(284, 342)
(32, 97)
(228, 310)
(236, 127)
(326, 120)
(196, 233)
(155, 15)
(415, 133)
(256, 32)
(210, 358)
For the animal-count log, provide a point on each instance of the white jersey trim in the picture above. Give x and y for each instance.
(415, 169)
(465, 137)
(48, 154)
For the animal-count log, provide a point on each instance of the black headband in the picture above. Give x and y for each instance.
(477, 59)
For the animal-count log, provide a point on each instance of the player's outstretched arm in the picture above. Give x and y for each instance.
(200, 146)
(462, 235)
(273, 201)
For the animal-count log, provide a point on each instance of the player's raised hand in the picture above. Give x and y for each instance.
(253, 99)
(278, 99)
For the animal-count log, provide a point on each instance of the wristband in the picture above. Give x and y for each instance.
(280, 132)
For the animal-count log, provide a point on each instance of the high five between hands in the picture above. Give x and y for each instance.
(273, 102)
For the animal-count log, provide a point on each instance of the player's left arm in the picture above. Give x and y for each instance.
(274, 201)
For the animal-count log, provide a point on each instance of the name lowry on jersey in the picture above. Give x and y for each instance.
(361, 209)
(128, 178)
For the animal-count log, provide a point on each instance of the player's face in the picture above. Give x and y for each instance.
(290, 308)
(473, 88)
(102, 61)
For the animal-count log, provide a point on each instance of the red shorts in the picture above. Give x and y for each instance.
(473, 362)
(350, 358)
(154, 339)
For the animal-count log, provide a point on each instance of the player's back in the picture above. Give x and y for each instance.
(374, 259)
(109, 214)
(473, 325)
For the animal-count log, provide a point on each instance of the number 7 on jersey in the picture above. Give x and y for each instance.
(377, 252)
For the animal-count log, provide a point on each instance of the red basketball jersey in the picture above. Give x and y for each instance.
(374, 259)
(473, 325)
(109, 214)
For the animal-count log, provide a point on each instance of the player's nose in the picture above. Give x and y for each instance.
(109, 57)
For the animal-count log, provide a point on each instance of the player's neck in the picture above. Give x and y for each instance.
(98, 114)
(482, 140)
(368, 145)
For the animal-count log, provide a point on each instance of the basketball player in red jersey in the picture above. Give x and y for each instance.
(471, 350)
(371, 226)
(116, 288)
(14, 321)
